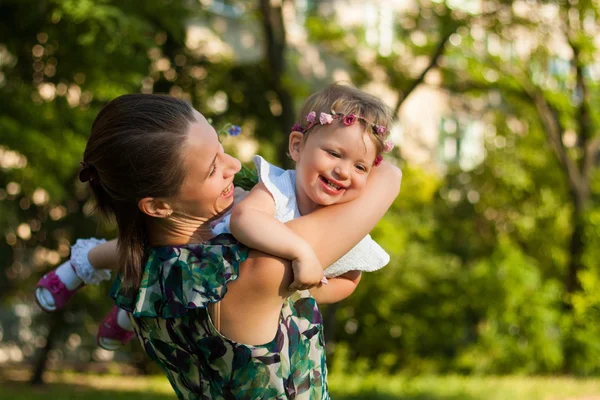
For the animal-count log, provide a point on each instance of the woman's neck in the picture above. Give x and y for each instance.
(177, 230)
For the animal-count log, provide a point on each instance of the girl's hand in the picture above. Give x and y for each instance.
(308, 271)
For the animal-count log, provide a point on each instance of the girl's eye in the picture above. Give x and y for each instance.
(333, 154)
(214, 169)
(361, 168)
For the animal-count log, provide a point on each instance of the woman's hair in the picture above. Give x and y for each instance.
(348, 100)
(135, 150)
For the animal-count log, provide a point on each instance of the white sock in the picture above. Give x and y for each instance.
(123, 320)
(67, 276)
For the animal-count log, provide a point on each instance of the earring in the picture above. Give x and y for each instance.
(168, 215)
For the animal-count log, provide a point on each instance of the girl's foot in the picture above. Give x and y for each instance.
(56, 288)
(115, 330)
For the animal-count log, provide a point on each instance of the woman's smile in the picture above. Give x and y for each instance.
(228, 192)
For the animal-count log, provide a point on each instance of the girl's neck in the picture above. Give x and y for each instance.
(178, 230)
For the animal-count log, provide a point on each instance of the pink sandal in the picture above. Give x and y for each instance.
(110, 335)
(56, 289)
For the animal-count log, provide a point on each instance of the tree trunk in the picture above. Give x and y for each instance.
(329, 329)
(56, 321)
(276, 45)
(576, 248)
(572, 285)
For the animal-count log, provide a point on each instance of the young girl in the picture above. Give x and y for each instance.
(338, 141)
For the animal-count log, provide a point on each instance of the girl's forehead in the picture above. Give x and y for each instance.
(352, 138)
(345, 134)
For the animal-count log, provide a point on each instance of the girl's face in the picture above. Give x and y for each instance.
(332, 164)
(207, 190)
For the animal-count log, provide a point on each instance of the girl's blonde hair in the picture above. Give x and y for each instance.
(346, 100)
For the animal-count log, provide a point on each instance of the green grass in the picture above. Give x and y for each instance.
(71, 386)
(463, 388)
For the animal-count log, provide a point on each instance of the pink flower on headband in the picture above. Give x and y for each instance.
(311, 116)
(349, 119)
(297, 128)
(378, 160)
(325, 118)
(381, 129)
(387, 146)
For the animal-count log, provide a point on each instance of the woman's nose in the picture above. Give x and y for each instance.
(233, 165)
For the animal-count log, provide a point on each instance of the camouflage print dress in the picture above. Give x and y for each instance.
(172, 323)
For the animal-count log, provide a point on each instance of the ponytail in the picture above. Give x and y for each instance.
(135, 150)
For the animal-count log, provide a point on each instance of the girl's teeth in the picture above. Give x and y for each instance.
(333, 186)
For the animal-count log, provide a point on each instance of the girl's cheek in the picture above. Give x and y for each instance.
(363, 181)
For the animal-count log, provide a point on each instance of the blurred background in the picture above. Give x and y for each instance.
(493, 291)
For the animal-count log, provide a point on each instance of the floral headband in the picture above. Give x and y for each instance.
(347, 119)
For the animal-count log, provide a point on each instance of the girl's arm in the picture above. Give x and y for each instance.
(253, 223)
(104, 256)
(331, 231)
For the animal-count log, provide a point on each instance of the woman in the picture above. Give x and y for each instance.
(217, 317)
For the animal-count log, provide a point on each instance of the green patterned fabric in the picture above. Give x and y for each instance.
(173, 325)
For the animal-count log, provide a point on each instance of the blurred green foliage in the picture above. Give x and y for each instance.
(480, 254)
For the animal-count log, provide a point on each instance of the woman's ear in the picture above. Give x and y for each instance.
(295, 145)
(155, 207)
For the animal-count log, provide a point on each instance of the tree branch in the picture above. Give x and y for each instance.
(437, 53)
(276, 46)
(585, 125)
(439, 50)
(472, 86)
(548, 118)
(553, 128)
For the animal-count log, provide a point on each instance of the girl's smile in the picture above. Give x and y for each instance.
(332, 186)
(332, 164)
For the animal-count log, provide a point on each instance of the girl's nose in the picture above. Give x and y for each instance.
(341, 171)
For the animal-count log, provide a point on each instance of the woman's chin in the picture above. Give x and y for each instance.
(225, 206)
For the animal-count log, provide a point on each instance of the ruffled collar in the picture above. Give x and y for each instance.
(179, 278)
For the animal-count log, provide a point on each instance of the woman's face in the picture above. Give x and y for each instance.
(207, 190)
